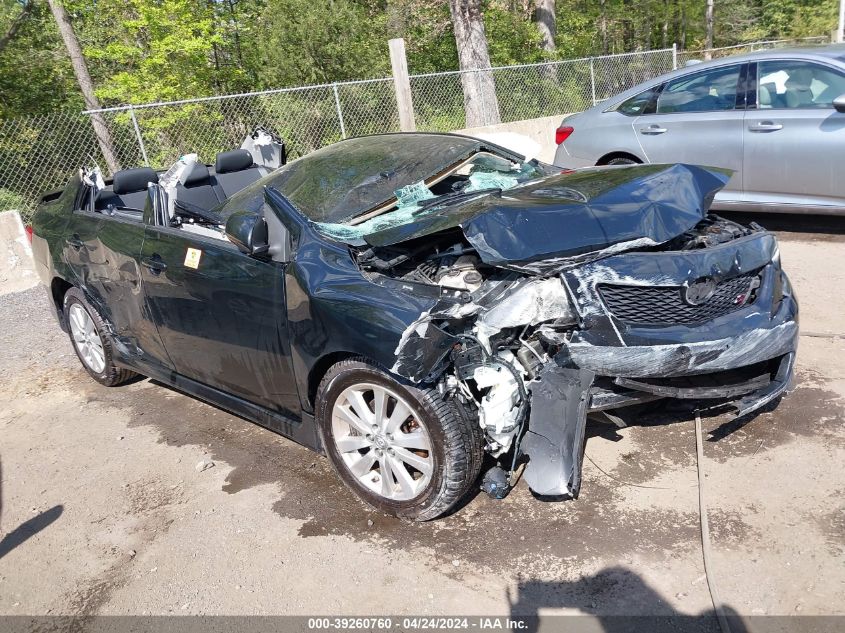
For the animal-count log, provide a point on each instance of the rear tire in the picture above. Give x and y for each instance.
(91, 341)
(621, 160)
(402, 449)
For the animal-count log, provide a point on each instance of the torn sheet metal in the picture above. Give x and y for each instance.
(781, 384)
(554, 442)
(542, 224)
(528, 302)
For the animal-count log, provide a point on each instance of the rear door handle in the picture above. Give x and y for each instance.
(154, 264)
(653, 129)
(765, 126)
(74, 242)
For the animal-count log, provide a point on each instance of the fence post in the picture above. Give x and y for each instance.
(593, 80)
(339, 111)
(138, 135)
(674, 56)
(402, 85)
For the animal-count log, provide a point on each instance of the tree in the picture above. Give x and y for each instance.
(544, 16)
(86, 86)
(480, 103)
(708, 26)
(16, 24)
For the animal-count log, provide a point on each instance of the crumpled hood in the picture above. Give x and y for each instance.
(574, 217)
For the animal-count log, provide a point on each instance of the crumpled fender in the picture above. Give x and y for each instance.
(333, 309)
(554, 442)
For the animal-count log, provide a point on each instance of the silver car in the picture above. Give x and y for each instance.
(776, 118)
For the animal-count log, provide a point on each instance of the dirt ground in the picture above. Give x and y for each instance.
(105, 512)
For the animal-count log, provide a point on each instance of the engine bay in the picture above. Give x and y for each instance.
(508, 325)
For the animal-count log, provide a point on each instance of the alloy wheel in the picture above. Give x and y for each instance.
(382, 441)
(86, 339)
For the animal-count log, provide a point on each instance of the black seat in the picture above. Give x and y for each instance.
(235, 171)
(199, 188)
(127, 191)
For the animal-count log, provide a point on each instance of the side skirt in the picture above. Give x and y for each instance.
(303, 431)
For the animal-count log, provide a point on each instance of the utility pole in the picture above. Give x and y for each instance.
(840, 32)
(83, 78)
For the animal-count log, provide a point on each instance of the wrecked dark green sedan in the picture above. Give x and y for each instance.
(421, 307)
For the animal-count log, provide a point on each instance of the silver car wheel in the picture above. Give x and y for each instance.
(86, 339)
(382, 441)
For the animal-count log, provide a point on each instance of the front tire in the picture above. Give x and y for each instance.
(402, 449)
(91, 340)
(621, 160)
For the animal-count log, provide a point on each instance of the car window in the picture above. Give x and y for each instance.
(642, 103)
(708, 91)
(797, 84)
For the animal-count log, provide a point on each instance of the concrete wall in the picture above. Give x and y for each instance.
(541, 131)
(16, 269)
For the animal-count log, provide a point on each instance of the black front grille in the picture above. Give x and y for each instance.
(665, 304)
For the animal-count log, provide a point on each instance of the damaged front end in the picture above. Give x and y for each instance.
(586, 294)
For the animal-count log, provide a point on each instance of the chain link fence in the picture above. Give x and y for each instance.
(38, 154)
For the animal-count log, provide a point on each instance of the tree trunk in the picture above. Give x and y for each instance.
(603, 27)
(544, 16)
(80, 69)
(480, 103)
(12, 31)
(708, 19)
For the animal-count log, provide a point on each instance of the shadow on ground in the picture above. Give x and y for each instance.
(627, 602)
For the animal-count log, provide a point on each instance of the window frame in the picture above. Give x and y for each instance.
(755, 87)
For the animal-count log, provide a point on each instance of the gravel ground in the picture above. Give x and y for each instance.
(104, 509)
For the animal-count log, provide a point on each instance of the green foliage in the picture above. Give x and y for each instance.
(320, 41)
(34, 79)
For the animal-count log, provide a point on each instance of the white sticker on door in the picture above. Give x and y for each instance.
(192, 258)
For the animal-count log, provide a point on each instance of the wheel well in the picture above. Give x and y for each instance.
(319, 369)
(604, 160)
(58, 289)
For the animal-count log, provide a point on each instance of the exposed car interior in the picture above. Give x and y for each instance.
(199, 188)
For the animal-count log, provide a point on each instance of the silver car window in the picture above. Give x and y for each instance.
(639, 104)
(707, 91)
(797, 84)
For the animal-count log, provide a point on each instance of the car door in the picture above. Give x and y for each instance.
(221, 315)
(794, 137)
(103, 252)
(698, 119)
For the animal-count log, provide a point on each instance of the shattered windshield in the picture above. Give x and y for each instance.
(482, 174)
(342, 181)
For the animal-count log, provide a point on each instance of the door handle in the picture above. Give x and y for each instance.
(154, 264)
(765, 126)
(74, 242)
(653, 129)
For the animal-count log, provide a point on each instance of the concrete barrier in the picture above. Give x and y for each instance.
(16, 268)
(541, 131)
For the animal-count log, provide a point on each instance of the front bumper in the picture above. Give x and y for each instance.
(746, 356)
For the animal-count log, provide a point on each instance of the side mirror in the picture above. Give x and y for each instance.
(839, 104)
(248, 232)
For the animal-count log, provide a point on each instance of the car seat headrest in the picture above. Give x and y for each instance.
(236, 160)
(133, 180)
(198, 174)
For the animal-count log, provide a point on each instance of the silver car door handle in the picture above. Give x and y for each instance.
(765, 126)
(653, 129)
